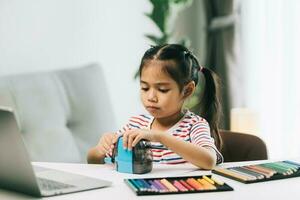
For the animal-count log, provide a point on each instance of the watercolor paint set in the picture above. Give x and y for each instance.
(261, 172)
(177, 185)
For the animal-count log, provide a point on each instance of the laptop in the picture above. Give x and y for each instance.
(17, 173)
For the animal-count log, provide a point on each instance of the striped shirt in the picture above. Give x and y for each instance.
(191, 128)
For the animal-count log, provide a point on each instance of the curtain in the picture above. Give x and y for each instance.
(271, 46)
(221, 50)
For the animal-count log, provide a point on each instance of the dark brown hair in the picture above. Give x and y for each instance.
(184, 67)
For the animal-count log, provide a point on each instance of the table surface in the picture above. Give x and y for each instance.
(284, 188)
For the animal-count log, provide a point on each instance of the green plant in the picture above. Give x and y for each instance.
(163, 15)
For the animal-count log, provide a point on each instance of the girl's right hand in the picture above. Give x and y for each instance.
(106, 144)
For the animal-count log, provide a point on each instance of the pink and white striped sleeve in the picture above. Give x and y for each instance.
(200, 135)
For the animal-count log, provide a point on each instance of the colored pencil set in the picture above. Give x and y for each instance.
(177, 185)
(261, 172)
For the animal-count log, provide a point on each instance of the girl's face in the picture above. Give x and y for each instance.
(160, 94)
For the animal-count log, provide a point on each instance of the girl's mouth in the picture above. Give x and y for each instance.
(152, 108)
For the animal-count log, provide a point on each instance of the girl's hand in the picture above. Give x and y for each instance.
(106, 144)
(132, 137)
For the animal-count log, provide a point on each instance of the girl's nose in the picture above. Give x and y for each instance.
(152, 97)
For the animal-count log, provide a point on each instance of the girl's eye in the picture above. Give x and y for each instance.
(164, 90)
(144, 88)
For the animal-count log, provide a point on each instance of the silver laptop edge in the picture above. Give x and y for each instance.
(16, 171)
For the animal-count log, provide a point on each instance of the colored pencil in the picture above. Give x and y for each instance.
(138, 184)
(179, 186)
(269, 171)
(139, 181)
(217, 180)
(195, 184)
(250, 177)
(232, 173)
(132, 186)
(208, 179)
(162, 187)
(147, 185)
(267, 175)
(253, 173)
(293, 163)
(185, 184)
(274, 167)
(289, 166)
(169, 185)
(158, 187)
(284, 167)
(206, 185)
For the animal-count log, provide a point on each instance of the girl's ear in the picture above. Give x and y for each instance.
(188, 89)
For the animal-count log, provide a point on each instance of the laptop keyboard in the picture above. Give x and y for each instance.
(49, 185)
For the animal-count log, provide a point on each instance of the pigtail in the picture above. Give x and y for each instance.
(210, 106)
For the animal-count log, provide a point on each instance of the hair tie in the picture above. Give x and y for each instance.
(187, 53)
(201, 69)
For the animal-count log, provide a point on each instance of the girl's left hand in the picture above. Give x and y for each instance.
(132, 137)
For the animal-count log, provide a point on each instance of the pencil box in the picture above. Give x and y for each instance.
(261, 172)
(177, 185)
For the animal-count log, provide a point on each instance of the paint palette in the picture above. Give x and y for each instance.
(261, 172)
(177, 185)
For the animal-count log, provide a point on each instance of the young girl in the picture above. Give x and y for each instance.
(168, 76)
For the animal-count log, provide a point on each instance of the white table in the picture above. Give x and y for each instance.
(278, 189)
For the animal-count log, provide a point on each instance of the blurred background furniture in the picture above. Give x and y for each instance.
(62, 113)
(242, 147)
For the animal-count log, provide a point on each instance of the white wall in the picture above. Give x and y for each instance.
(41, 35)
